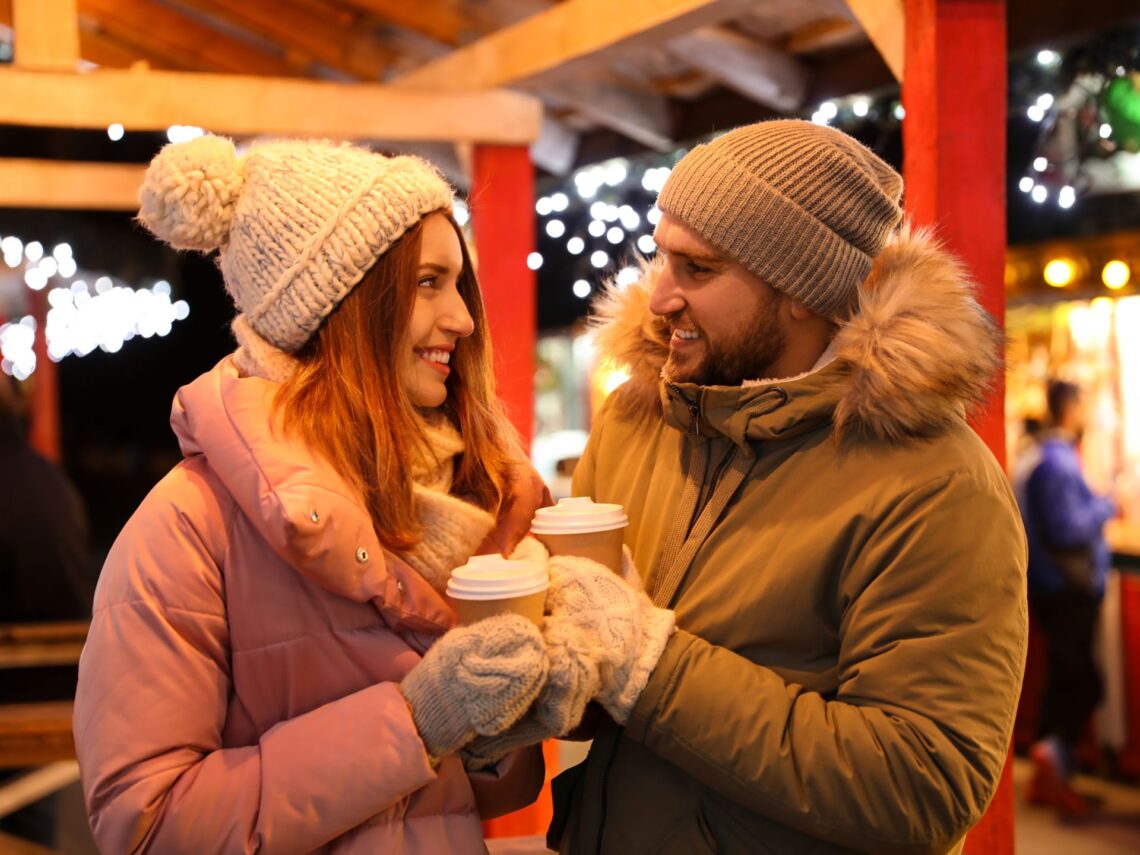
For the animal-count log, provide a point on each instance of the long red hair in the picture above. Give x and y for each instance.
(346, 399)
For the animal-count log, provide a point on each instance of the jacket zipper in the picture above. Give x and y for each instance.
(694, 409)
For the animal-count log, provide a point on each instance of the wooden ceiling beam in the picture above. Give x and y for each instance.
(557, 40)
(67, 185)
(46, 34)
(351, 51)
(151, 27)
(821, 35)
(764, 74)
(884, 22)
(242, 105)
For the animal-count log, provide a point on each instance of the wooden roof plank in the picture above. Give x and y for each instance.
(759, 72)
(241, 105)
(351, 51)
(446, 21)
(152, 27)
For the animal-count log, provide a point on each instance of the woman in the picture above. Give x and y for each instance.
(271, 665)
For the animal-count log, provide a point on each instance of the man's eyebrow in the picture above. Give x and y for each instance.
(697, 255)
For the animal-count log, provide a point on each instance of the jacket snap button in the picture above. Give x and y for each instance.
(400, 586)
(314, 516)
(362, 555)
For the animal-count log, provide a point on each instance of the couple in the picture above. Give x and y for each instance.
(818, 642)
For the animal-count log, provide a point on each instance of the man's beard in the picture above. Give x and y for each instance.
(747, 353)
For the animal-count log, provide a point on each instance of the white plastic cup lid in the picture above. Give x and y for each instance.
(578, 515)
(492, 577)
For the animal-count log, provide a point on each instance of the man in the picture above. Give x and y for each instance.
(1068, 559)
(841, 553)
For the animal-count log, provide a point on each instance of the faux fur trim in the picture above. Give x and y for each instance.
(628, 334)
(919, 351)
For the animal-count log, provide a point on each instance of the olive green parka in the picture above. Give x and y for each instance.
(847, 566)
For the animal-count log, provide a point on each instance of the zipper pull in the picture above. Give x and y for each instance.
(694, 409)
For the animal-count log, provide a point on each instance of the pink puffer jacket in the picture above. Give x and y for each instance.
(237, 692)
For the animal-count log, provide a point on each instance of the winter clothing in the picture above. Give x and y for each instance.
(477, 680)
(1068, 562)
(267, 632)
(1062, 513)
(298, 222)
(621, 630)
(572, 682)
(831, 200)
(846, 567)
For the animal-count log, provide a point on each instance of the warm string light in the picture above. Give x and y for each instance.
(597, 190)
(80, 318)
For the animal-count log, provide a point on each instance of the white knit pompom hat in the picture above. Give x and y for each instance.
(298, 222)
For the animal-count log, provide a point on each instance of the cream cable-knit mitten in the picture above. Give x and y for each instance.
(573, 679)
(624, 631)
(476, 680)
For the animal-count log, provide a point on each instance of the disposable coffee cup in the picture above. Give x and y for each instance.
(583, 527)
(489, 585)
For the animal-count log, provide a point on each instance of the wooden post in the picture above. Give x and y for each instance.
(954, 94)
(502, 215)
(47, 34)
(43, 428)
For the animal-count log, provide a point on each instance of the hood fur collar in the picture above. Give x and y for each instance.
(919, 351)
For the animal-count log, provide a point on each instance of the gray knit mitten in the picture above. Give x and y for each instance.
(476, 680)
(570, 685)
(623, 631)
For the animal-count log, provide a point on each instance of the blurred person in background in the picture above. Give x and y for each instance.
(45, 575)
(1068, 560)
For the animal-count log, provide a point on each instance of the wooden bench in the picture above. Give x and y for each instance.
(36, 736)
(29, 645)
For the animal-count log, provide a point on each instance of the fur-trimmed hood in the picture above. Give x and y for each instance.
(918, 352)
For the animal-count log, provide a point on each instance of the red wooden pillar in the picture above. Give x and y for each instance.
(502, 215)
(43, 432)
(954, 94)
(502, 219)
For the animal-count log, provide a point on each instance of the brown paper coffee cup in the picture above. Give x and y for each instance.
(530, 607)
(601, 546)
(489, 585)
(584, 528)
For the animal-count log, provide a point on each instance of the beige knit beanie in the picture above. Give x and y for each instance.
(803, 206)
(298, 222)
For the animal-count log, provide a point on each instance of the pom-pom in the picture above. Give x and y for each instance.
(189, 193)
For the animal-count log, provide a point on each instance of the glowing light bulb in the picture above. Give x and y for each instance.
(1059, 272)
(1115, 274)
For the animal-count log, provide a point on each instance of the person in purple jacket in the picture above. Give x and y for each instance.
(1068, 560)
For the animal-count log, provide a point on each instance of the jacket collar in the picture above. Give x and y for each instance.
(916, 354)
(306, 512)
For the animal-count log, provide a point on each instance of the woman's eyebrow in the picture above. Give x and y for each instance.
(435, 266)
